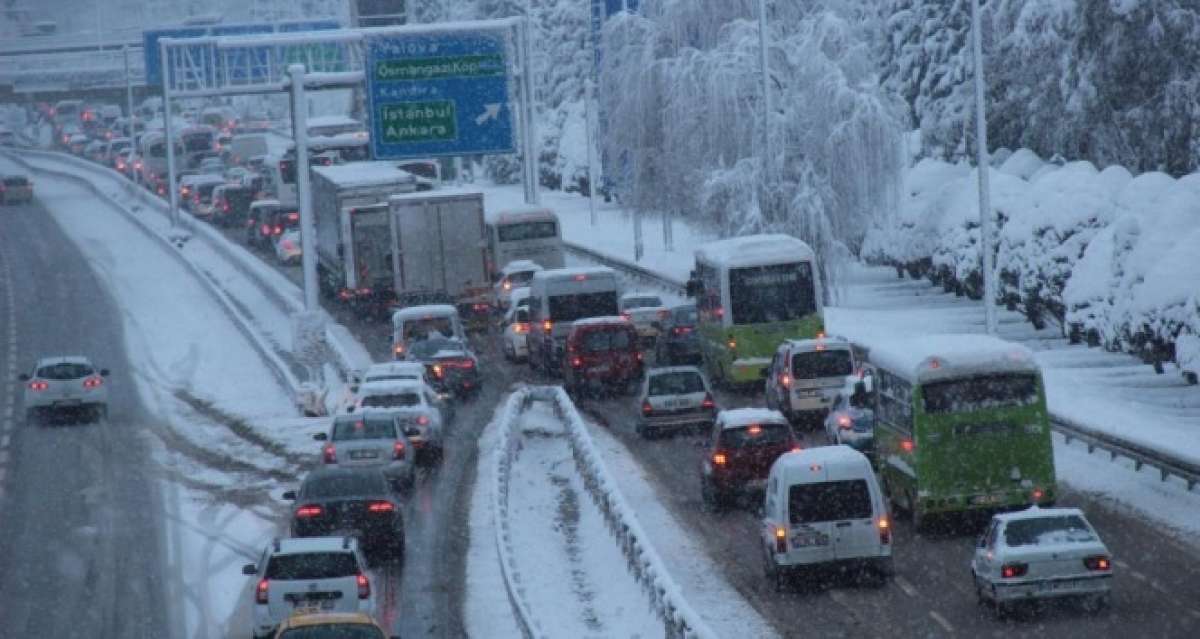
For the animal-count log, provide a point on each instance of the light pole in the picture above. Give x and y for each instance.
(764, 73)
(985, 209)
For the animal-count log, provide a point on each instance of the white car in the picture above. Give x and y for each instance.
(62, 384)
(370, 438)
(514, 276)
(415, 403)
(287, 247)
(401, 371)
(515, 326)
(645, 310)
(1041, 553)
(309, 575)
(674, 399)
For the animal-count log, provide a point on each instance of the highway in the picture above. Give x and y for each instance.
(81, 518)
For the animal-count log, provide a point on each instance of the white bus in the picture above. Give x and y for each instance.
(531, 233)
(557, 298)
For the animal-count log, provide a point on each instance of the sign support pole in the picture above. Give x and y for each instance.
(137, 178)
(593, 181)
(529, 129)
(172, 189)
(308, 254)
(985, 209)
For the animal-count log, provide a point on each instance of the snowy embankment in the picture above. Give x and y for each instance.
(1107, 255)
(563, 544)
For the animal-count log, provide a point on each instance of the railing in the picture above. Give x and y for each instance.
(1116, 447)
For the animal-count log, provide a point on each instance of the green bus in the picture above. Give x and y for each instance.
(752, 293)
(960, 425)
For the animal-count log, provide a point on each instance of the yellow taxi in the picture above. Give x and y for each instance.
(331, 625)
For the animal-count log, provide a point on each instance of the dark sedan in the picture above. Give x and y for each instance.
(678, 344)
(350, 501)
(452, 366)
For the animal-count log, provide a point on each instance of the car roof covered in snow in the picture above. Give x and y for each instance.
(742, 417)
(517, 214)
(636, 294)
(829, 342)
(358, 174)
(668, 370)
(436, 194)
(396, 368)
(812, 459)
(63, 359)
(432, 310)
(296, 545)
(391, 386)
(752, 250)
(607, 320)
(938, 357)
(569, 273)
(517, 266)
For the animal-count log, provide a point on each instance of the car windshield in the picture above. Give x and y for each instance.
(827, 363)
(829, 501)
(521, 278)
(428, 327)
(367, 428)
(596, 341)
(980, 393)
(1045, 531)
(568, 308)
(333, 631)
(429, 348)
(348, 485)
(755, 435)
(391, 400)
(312, 565)
(642, 302)
(682, 383)
(65, 371)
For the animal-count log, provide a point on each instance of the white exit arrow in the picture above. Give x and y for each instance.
(490, 112)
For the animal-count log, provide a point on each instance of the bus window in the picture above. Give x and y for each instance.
(776, 293)
(980, 393)
(528, 231)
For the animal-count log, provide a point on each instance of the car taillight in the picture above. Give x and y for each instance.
(708, 403)
(719, 459)
(437, 371)
(907, 445)
(1037, 495)
(731, 343)
(329, 454)
(1014, 570)
(364, 291)
(266, 229)
(576, 362)
(311, 510)
(780, 539)
(364, 586)
(93, 382)
(647, 409)
(885, 530)
(520, 327)
(345, 294)
(639, 356)
(681, 330)
(398, 450)
(627, 316)
(381, 507)
(785, 380)
(1097, 562)
(844, 422)
(38, 385)
(423, 420)
(547, 326)
(277, 230)
(286, 244)
(507, 285)
(398, 349)
(262, 591)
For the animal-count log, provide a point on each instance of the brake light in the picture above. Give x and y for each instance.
(293, 216)
(520, 327)
(1037, 494)
(639, 356)
(437, 371)
(907, 445)
(262, 591)
(1097, 562)
(311, 510)
(785, 380)
(719, 459)
(38, 385)
(577, 362)
(708, 403)
(731, 343)
(547, 326)
(398, 450)
(277, 230)
(1014, 570)
(627, 316)
(287, 244)
(381, 507)
(364, 586)
(647, 409)
(266, 229)
(345, 294)
(364, 291)
(329, 454)
(93, 382)
(681, 330)
(423, 420)
(844, 422)
(885, 530)
(507, 286)
(780, 539)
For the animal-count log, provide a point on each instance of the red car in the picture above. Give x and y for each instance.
(739, 452)
(602, 351)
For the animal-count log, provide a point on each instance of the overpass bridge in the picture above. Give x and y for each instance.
(54, 69)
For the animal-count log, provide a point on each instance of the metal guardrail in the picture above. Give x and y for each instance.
(1167, 465)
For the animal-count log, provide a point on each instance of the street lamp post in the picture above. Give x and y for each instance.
(763, 70)
(985, 209)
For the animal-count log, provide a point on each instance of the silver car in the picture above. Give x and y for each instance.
(66, 384)
(675, 398)
(370, 438)
(415, 404)
(1041, 553)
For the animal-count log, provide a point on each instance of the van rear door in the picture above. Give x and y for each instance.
(848, 505)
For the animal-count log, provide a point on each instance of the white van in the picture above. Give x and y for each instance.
(824, 507)
(806, 375)
(558, 297)
(415, 323)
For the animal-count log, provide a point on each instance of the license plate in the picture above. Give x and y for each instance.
(308, 606)
(1069, 584)
(808, 539)
(364, 454)
(816, 392)
(678, 403)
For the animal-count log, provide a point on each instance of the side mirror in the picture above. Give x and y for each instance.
(320, 437)
(249, 569)
(23, 377)
(104, 372)
(289, 495)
